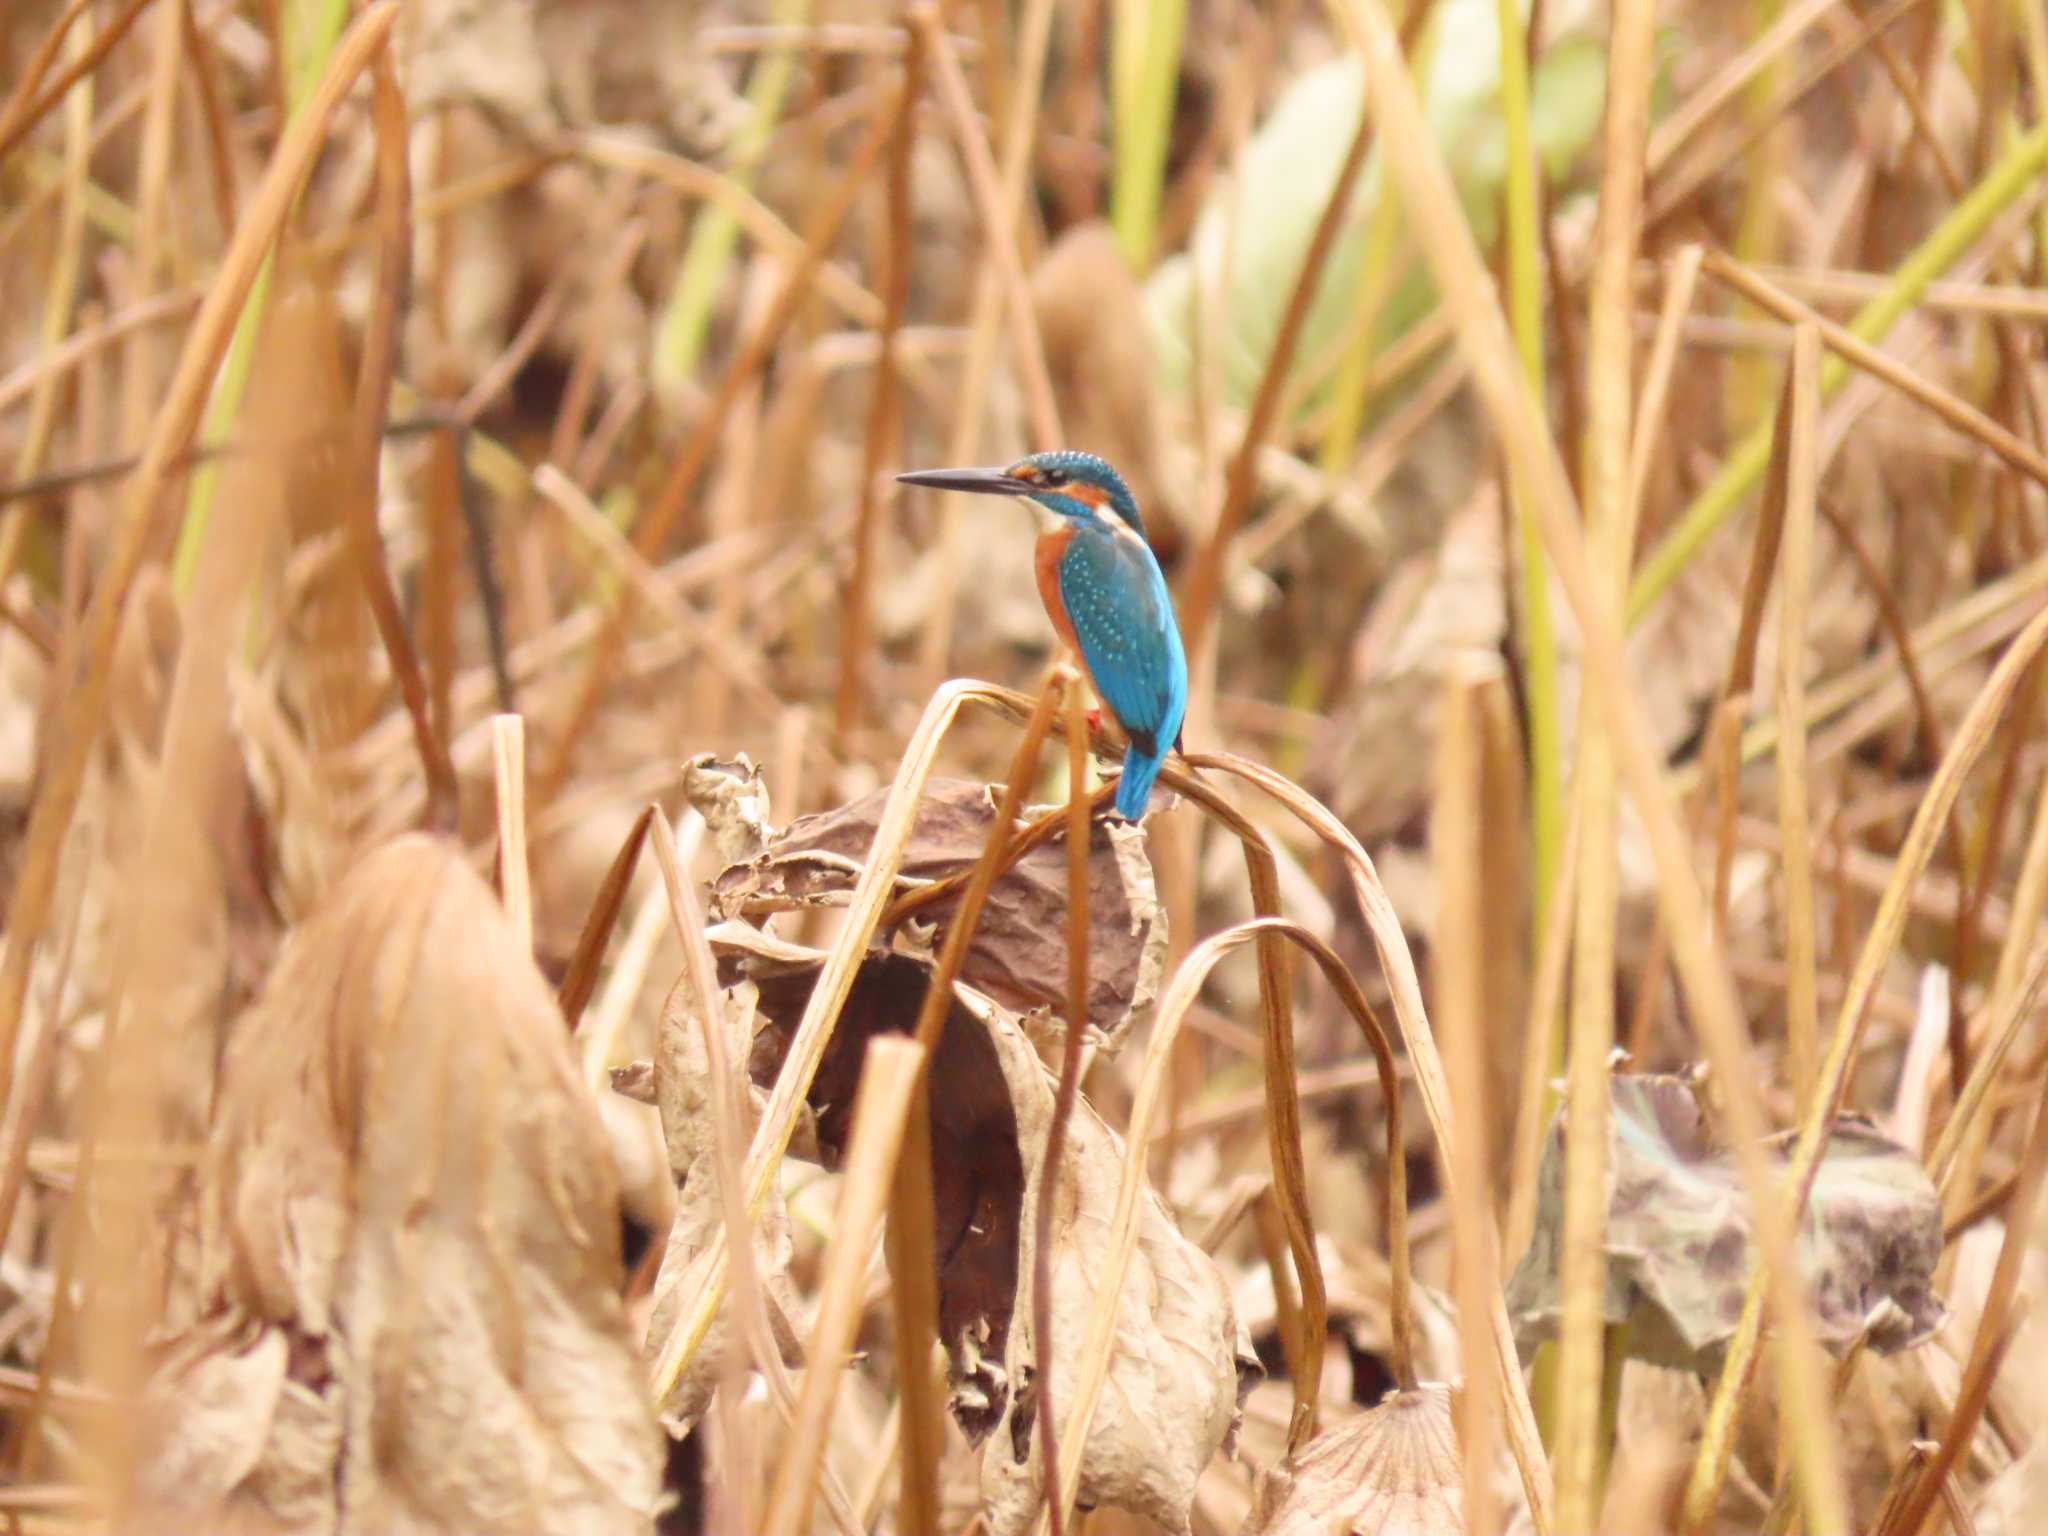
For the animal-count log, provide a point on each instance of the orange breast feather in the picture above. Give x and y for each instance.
(1052, 545)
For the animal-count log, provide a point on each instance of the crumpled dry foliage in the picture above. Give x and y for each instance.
(1678, 1235)
(1018, 955)
(1394, 1470)
(1180, 1354)
(412, 1275)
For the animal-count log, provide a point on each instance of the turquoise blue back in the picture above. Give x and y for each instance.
(1117, 602)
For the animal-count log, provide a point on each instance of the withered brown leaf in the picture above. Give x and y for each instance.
(1679, 1247)
(412, 1238)
(1019, 952)
(1180, 1355)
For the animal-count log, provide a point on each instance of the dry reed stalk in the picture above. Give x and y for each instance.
(1678, 184)
(42, 56)
(153, 175)
(1727, 83)
(885, 426)
(1968, 1127)
(170, 433)
(381, 336)
(1795, 583)
(651, 529)
(1722, 754)
(1093, 1369)
(1580, 1451)
(996, 212)
(1541, 1024)
(515, 879)
(1069, 1087)
(1205, 581)
(887, 1094)
(1680, 284)
(1893, 619)
(1461, 1002)
(71, 351)
(838, 287)
(911, 1249)
(213, 116)
(1060, 680)
(26, 1112)
(1014, 92)
(1961, 1144)
(587, 520)
(580, 979)
(60, 295)
(721, 1035)
(1955, 411)
(1462, 279)
(1882, 938)
(1992, 1336)
(1991, 613)
(20, 115)
(441, 512)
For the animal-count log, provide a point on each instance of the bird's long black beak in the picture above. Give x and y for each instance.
(984, 482)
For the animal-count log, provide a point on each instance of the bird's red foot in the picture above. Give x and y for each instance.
(1095, 718)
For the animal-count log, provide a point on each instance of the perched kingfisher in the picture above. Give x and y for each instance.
(1104, 593)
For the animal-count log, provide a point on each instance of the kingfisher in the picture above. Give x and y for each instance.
(1103, 590)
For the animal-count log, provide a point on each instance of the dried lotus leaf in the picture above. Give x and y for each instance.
(1180, 1355)
(1678, 1235)
(409, 1187)
(1019, 952)
(1392, 1471)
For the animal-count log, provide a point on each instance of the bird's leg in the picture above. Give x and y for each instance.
(1095, 719)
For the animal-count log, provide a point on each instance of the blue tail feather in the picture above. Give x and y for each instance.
(1134, 789)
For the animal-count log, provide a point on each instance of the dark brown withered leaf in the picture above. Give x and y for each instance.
(1392, 1471)
(1180, 1355)
(1019, 953)
(1678, 1235)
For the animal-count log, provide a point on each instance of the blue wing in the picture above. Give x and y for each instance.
(1117, 602)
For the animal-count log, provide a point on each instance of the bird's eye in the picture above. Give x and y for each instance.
(1053, 477)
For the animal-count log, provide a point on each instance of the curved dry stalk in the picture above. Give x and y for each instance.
(2012, 1008)
(1093, 1370)
(372, 414)
(1398, 966)
(169, 434)
(1282, 1093)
